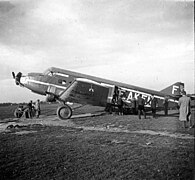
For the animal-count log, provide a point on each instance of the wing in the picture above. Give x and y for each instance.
(86, 92)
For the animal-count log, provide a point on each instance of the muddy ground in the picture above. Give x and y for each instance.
(96, 147)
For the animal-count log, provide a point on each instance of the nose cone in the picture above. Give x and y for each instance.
(24, 80)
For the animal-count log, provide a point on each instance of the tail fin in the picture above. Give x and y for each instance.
(174, 90)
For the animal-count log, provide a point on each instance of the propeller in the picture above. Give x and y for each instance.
(17, 78)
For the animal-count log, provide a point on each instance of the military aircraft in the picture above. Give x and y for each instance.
(68, 86)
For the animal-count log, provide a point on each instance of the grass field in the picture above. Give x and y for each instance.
(8, 111)
(46, 110)
(102, 147)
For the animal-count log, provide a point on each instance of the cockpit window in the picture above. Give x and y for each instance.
(48, 72)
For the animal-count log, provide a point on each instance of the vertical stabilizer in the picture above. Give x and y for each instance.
(174, 90)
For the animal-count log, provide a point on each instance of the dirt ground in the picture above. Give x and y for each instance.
(105, 146)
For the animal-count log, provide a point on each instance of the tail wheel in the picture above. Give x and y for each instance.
(64, 112)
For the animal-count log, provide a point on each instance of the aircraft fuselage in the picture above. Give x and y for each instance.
(55, 81)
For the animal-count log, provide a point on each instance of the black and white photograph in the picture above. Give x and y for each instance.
(97, 89)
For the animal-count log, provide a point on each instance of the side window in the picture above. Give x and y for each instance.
(61, 81)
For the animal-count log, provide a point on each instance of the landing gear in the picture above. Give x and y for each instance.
(64, 112)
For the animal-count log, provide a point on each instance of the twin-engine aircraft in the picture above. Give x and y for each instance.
(68, 86)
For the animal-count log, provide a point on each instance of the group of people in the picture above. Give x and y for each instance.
(34, 109)
(153, 105)
(29, 111)
(138, 105)
(141, 103)
(183, 103)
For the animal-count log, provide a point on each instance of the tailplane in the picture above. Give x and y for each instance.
(174, 90)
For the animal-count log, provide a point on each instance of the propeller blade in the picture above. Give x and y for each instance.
(13, 74)
(19, 75)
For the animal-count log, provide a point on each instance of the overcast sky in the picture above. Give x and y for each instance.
(148, 43)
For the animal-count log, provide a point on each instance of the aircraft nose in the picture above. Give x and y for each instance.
(24, 80)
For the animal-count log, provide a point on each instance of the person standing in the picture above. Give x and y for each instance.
(120, 105)
(30, 109)
(116, 94)
(141, 109)
(154, 103)
(133, 105)
(166, 105)
(37, 108)
(184, 109)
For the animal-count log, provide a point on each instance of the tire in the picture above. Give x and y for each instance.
(64, 112)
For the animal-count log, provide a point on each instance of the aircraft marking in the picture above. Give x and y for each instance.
(174, 88)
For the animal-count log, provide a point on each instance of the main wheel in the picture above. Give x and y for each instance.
(64, 112)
